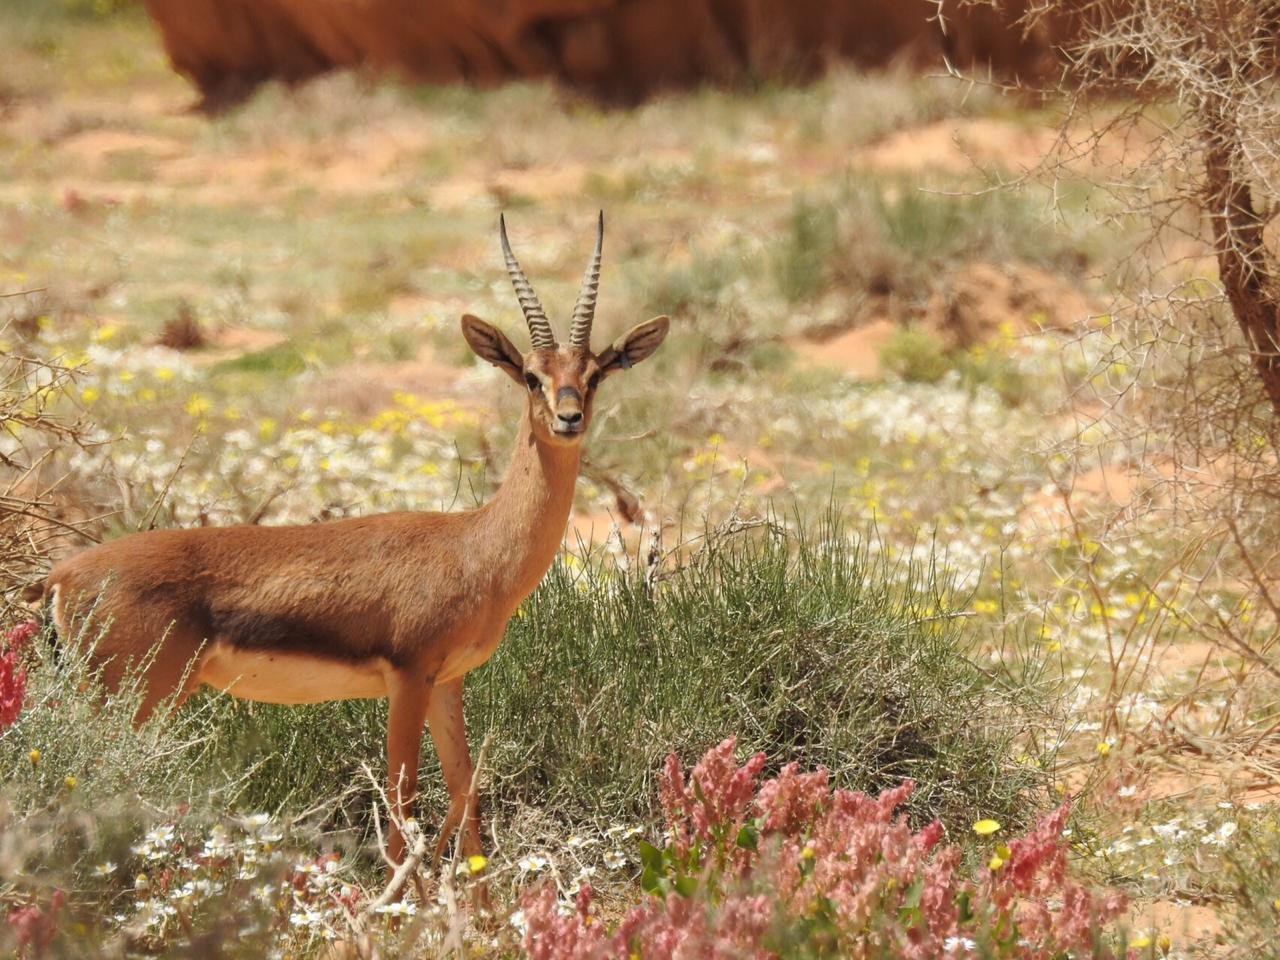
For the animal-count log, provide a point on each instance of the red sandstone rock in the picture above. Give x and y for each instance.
(616, 50)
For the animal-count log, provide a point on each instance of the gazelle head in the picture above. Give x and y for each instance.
(560, 381)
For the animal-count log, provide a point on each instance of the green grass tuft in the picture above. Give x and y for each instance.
(802, 265)
(282, 360)
(915, 355)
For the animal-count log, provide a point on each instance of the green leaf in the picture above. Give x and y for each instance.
(650, 856)
(686, 886)
(650, 881)
(914, 892)
(749, 836)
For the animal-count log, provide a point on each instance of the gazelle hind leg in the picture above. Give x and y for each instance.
(449, 734)
(147, 651)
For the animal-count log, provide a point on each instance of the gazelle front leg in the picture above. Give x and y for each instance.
(406, 716)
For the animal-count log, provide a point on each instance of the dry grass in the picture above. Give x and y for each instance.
(35, 427)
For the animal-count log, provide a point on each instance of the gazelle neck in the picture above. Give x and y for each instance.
(524, 522)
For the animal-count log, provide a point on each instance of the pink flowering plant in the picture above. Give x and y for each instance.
(13, 671)
(791, 867)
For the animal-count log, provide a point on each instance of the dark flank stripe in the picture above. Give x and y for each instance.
(256, 630)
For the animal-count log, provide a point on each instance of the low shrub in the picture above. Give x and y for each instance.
(67, 736)
(794, 634)
(919, 355)
(916, 355)
(793, 868)
(1249, 875)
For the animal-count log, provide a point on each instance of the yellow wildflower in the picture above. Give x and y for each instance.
(986, 827)
(197, 404)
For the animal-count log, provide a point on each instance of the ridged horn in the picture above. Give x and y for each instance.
(584, 311)
(539, 326)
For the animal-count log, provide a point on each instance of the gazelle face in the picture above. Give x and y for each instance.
(561, 384)
(560, 381)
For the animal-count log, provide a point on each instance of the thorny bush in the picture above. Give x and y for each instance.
(33, 428)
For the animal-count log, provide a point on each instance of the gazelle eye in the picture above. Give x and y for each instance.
(594, 381)
(533, 381)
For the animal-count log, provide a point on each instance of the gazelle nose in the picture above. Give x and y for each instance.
(570, 418)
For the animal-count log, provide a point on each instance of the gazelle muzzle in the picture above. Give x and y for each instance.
(568, 410)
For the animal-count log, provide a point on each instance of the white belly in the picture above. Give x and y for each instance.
(276, 677)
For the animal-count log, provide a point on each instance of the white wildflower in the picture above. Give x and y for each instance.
(398, 909)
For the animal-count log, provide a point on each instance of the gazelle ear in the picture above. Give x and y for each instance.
(491, 344)
(634, 345)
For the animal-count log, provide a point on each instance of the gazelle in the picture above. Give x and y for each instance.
(396, 605)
